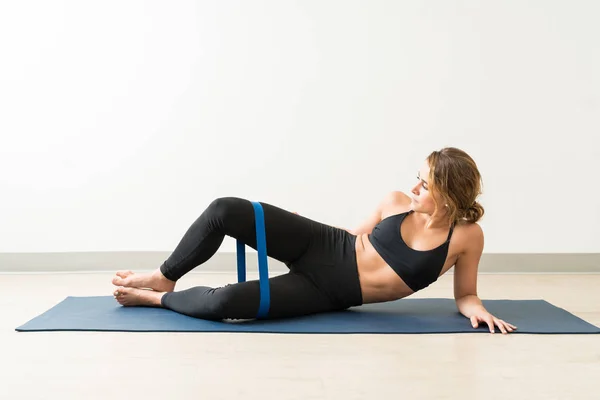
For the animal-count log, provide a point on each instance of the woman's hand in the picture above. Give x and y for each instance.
(491, 321)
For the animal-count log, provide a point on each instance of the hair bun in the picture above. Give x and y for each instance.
(474, 212)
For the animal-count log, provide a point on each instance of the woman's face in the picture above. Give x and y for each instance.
(421, 198)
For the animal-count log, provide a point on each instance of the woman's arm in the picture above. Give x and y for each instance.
(465, 273)
(465, 284)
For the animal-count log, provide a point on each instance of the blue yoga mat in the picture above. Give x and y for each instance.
(439, 315)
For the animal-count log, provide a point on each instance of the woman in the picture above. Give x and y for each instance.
(403, 247)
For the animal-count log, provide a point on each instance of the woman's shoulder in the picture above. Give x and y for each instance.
(471, 227)
(469, 235)
(395, 202)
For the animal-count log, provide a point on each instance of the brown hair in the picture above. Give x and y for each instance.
(455, 177)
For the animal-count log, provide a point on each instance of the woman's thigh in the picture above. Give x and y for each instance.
(288, 235)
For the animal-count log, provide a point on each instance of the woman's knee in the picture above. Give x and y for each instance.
(223, 208)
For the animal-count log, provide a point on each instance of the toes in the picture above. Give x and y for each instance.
(124, 274)
(120, 294)
(122, 278)
(119, 280)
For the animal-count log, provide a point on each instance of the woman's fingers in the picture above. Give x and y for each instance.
(501, 325)
(492, 322)
(508, 326)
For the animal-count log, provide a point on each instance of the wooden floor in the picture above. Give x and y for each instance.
(90, 365)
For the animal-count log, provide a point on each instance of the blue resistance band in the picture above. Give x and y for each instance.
(263, 269)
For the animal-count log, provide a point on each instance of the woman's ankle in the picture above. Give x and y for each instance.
(161, 282)
(163, 276)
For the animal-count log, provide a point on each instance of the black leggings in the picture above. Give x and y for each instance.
(323, 273)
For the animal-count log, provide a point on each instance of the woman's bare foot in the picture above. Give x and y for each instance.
(155, 281)
(128, 296)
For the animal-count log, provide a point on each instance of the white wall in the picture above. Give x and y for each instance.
(121, 120)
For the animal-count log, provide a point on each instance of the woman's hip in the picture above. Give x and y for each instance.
(330, 262)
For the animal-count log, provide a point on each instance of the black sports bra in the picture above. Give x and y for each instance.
(418, 268)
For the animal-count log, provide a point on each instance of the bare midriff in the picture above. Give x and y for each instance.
(378, 281)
